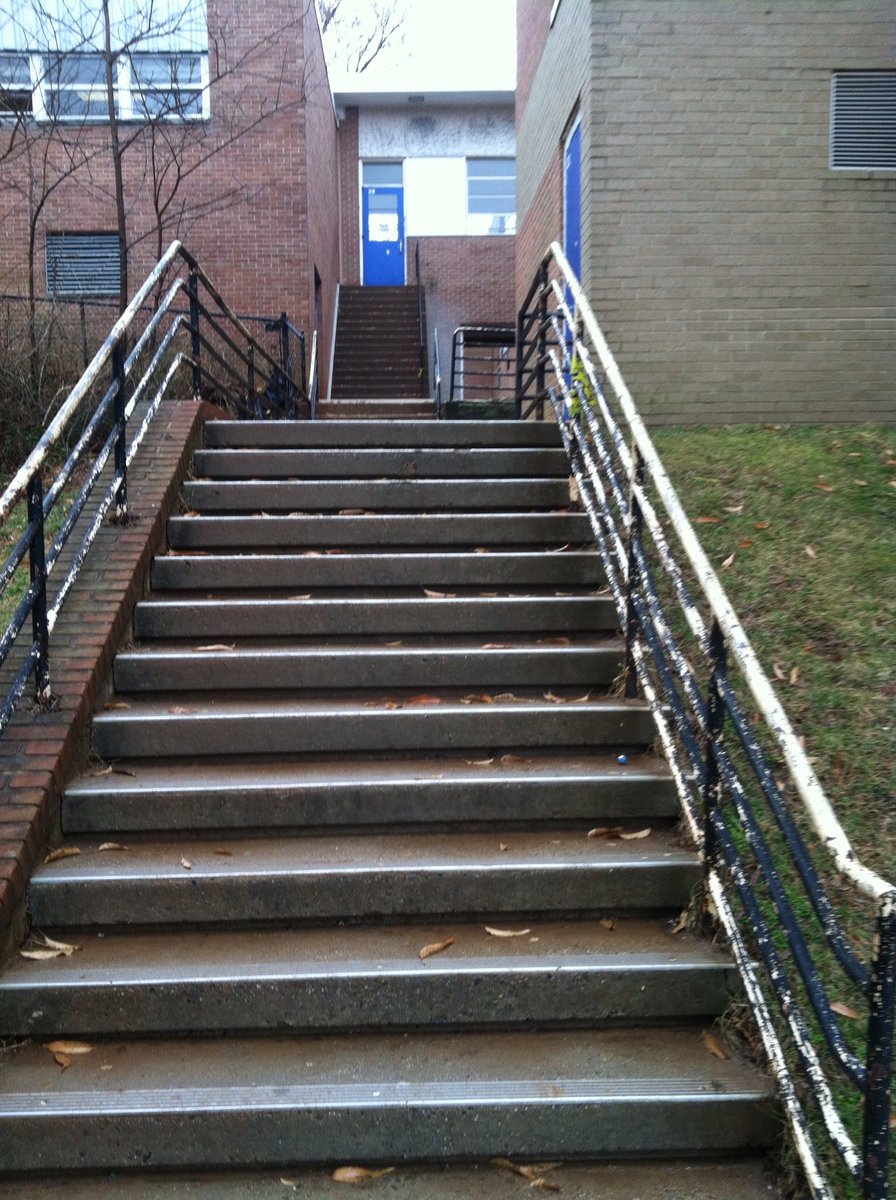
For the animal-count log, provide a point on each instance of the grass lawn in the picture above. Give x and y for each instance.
(799, 523)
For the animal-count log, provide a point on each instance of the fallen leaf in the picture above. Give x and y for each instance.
(728, 562)
(706, 520)
(63, 1060)
(744, 543)
(763, 524)
(304, 596)
(633, 837)
(505, 696)
(554, 699)
(351, 512)
(506, 933)
(682, 923)
(311, 553)
(186, 864)
(559, 549)
(736, 508)
(99, 772)
(289, 1182)
(477, 699)
(223, 852)
(860, 482)
(356, 1174)
(496, 646)
(608, 923)
(215, 646)
(713, 1045)
(42, 948)
(391, 705)
(794, 675)
(113, 846)
(66, 1047)
(605, 831)
(438, 595)
(844, 1010)
(124, 771)
(481, 550)
(436, 947)
(179, 710)
(113, 704)
(545, 1184)
(811, 551)
(503, 846)
(825, 487)
(778, 672)
(422, 700)
(392, 645)
(479, 762)
(62, 852)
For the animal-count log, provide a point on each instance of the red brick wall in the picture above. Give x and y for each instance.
(542, 224)
(468, 281)
(253, 203)
(532, 25)
(349, 198)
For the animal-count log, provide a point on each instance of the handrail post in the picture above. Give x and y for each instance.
(520, 347)
(250, 380)
(195, 343)
(542, 340)
(715, 724)
(121, 441)
(635, 530)
(38, 570)
(285, 365)
(303, 363)
(881, 1016)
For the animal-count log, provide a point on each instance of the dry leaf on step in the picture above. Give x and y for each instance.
(632, 837)
(436, 947)
(514, 758)
(422, 700)
(682, 923)
(62, 852)
(111, 705)
(546, 1185)
(608, 923)
(113, 846)
(506, 933)
(42, 948)
(215, 646)
(479, 762)
(186, 864)
(605, 831)
(357, 1174)
(438, 595)
(713, 1045)
(496, 646)
(477, 699)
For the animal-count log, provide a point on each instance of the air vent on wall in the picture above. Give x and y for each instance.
(863, 120)
(82, 264)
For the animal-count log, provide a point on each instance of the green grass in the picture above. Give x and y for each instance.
(799, 523)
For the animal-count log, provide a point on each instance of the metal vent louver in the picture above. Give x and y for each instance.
(863, 120)
(82, 264)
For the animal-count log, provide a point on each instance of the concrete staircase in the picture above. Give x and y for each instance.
(377, 352)
(369, 709)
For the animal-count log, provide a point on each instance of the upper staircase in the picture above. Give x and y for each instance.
(375, 865)
(377, 355)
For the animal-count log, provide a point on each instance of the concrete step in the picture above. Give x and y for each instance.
(422, 495)
(374, 877)
(449, 569)
(220, 618)
(555, 530)
(379, 1098)
(260, 666)
(241, 723)
(741, 1178)
(354, 978)
(344, 409)
(298, 434)
(513, 789)
(471, 462)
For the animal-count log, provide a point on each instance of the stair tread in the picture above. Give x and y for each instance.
(295, 434)
(728, 1179)
(375, 1069)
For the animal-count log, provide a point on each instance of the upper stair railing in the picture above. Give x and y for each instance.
(482, 363)
(751, 798)
(105, 417)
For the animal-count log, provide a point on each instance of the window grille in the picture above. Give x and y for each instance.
(863, 120)
(83, 264)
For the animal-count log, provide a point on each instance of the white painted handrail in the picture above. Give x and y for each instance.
(816, 803)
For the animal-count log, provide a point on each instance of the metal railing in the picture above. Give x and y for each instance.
(421, 319)
(482, 362)
(688, 655)
(436, 373)
(106, 415)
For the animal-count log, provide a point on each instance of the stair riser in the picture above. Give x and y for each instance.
(492, 571)
(460, 529)
(287, 495)
(400, 464)
(299, 434)
(369, 804)
(269, 1130)
(326, 669)
(378, 999)
(259, 731)
(198, 896)
(315, 618)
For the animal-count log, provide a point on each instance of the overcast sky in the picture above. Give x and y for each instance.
(448, 44)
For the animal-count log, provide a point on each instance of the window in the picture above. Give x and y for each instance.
(82, 264)
(74, 87)
(167, 85)
(863, 120)
(382, 174)
(491, 195)
(15, 84)
(146, 87)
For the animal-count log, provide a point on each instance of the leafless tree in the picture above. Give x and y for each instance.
(358, 31)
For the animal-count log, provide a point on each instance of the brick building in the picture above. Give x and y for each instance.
(735, 232)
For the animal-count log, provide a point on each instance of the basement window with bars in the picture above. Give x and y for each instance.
(83, 264)
(863, 121)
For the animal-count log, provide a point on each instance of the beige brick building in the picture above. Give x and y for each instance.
(742, 268)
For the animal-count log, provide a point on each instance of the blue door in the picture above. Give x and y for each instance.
(572, 200)
(383, 227)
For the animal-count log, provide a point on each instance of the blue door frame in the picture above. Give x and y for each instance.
(382, 221)
(572, 200)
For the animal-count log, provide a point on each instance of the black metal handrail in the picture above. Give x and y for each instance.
(436, 374)
(126, 381)
(676, 615)
(421, 318)
(482, 363)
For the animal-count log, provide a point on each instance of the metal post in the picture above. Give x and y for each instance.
(520, 350)
(196, 344)
(303, 364)
(881, 1015)
(635, 529)
(250, 397)
(715, 723)
(286, 366)
(37, 563)
(542, 356)
(121, 443)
